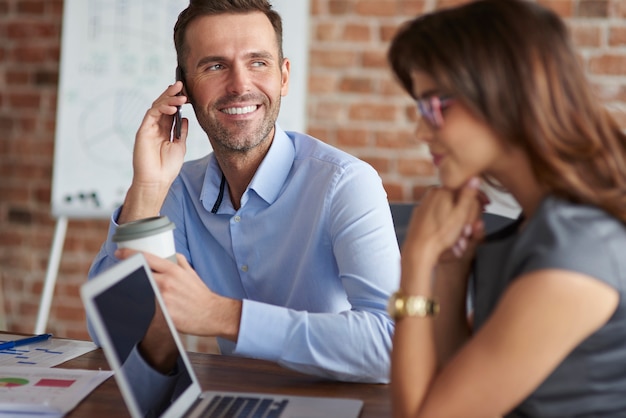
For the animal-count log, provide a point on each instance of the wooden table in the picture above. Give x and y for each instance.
(216, 372)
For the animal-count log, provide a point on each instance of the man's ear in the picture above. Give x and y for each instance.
(285, 69)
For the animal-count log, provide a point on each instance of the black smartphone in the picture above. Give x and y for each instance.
(178, 117)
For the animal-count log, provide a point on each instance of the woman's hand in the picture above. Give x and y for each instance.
(445, 224)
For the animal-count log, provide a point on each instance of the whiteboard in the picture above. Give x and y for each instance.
(117, 56)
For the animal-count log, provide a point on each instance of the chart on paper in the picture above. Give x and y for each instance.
(50, 392)
(43, 354)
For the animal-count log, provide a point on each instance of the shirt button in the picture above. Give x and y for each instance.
(237, 218)
(244, 268)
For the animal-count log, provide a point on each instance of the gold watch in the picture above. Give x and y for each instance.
(401, 305)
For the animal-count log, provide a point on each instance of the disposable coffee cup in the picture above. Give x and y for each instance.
(153, 235)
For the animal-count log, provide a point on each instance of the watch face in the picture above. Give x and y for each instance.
(400, 306)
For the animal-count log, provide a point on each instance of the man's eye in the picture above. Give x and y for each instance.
(215, 67)
(258, 64)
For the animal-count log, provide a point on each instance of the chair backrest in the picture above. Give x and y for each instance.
(401, 214)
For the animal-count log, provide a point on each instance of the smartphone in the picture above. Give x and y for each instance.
(178, 117)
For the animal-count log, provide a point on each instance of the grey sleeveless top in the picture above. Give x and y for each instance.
(591, 381)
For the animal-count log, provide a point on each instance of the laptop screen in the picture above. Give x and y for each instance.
(121, 305)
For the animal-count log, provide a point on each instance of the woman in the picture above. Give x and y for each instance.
(502, 97)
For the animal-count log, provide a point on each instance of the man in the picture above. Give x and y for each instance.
(287, 247)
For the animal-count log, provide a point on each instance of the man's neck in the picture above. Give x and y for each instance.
(239, 168)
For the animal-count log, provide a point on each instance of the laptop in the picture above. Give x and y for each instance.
(127, 290)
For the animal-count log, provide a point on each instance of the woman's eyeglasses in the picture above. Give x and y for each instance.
(431, 108)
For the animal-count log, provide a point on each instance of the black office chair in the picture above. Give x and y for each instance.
(401, 214)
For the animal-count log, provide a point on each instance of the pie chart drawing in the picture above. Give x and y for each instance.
(11, 382)
(108, 124)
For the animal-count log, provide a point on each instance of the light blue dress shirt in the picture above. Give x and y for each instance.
(311, 252)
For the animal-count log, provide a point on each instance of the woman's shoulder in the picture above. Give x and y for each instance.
(571, 236)
(563, 220)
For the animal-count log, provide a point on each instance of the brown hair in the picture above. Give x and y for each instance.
(199, 8)
(511, 62)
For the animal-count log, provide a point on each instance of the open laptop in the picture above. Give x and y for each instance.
(120, 303)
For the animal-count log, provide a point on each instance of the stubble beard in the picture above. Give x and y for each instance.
(240, 136)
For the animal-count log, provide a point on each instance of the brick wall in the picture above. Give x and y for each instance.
(353, 103)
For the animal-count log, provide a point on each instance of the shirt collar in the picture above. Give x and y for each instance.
(269, 178)
(271, 175)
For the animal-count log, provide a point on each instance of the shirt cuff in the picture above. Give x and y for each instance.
(152, 388)
(262, 331)
(109, 246)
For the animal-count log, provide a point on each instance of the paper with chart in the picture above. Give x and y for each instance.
(32, 391)
(43, 354)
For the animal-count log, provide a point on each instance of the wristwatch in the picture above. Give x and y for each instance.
(401, 305)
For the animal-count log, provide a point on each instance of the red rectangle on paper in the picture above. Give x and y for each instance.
(56, 383)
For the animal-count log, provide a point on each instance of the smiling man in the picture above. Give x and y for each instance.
(286, 245)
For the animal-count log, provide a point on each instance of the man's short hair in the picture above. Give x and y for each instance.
(199, 8)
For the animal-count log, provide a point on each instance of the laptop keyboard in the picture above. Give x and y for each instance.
(244, 407)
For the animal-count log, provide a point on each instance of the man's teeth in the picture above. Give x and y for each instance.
(239, 110)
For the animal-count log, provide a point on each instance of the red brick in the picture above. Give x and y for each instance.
(372, 112)
(31, 7)
(32, 29)
(412, 7)
(593, 8)
(326, 31)
(357, 32)
(387, 32)
(356, 85)
(617, 36)
(322, 83)
(380, 164)
(395, 192)
(333, 58)
(586, 36)
(339, 7)
(619, 9)
(352, 137)
(14, 78)
(375, 58)
(608, 64)
(375, 8)
(398, 140)
(564, 8)
(322, 133)
(416, 167)
(330, 111)
(24, 100)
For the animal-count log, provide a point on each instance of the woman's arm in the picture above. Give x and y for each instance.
(436, 225)
(501, 365)
(451, 326)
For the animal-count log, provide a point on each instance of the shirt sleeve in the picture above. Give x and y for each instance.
(353, 345)
(103, 260)
(153, 391)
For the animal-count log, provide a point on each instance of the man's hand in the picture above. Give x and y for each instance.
(157, 157)
(194, 308)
